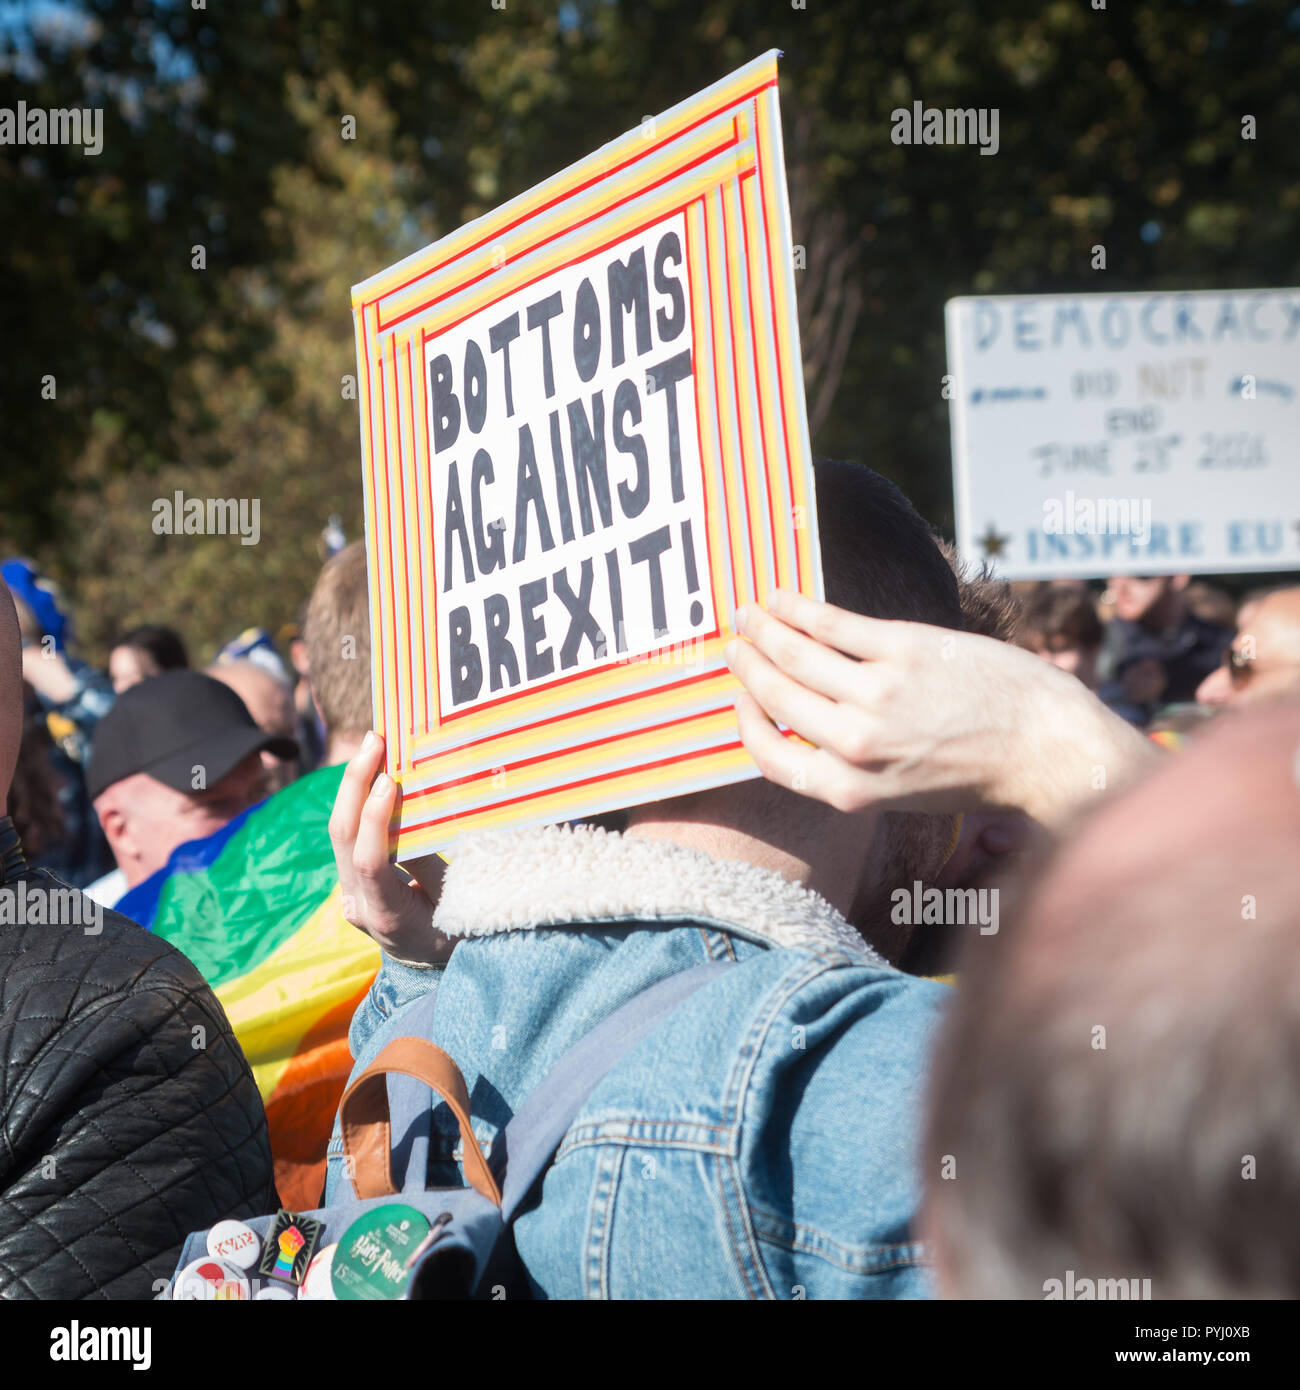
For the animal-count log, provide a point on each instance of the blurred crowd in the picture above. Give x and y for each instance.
(85, 835)
(1096, 1083)
(1164, 652)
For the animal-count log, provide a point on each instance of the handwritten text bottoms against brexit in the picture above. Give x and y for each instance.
(566, 476)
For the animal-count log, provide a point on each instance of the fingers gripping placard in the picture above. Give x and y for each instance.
(585, 444)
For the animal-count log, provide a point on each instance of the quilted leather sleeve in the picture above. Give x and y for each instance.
(129, 1114)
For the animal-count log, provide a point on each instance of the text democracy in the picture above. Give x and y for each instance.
(1158, 320)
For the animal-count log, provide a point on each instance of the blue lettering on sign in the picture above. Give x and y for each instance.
(995, 394)
(1115, 336)
(1059, 545)
(1072, 313)
(1227, 319)
(987, 323)
(1026, 332)
(1158, 319)
(1254, 537)
(1148, 331)
(1183, 322)
(1255, 331)
(1116, 548)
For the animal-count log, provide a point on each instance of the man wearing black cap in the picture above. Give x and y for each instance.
(128, 1114)
(177, 757)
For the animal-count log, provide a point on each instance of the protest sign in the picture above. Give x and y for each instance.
(584, 446)
(1127, 434)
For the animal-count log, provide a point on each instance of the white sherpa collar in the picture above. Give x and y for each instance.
(557, 876)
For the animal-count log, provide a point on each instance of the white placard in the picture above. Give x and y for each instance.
(1129, 433)
(567, 472)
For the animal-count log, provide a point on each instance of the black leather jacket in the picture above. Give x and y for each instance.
(128, 1115)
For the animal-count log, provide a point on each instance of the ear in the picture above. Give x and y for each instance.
(1178, 582)
(989, 841)
(117, 831)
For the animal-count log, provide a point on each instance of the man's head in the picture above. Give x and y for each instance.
(879, 559)
(270, 702)
(1061, 626)
(11, 694)
(143, 652)
(176, 758)
(1117, 1091)
(1264, 659)
(338, 650)
(1152, 601)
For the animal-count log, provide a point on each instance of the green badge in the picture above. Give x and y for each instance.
(371, 1259)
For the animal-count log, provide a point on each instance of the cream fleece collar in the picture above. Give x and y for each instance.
(556, 876)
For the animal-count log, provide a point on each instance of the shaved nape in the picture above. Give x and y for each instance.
(11, 694)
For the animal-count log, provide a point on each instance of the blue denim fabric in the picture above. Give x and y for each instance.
(762, 1143)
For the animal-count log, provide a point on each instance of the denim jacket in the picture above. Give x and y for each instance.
(761, 1143)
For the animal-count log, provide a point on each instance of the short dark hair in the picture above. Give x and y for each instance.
(879, 557)
(988, 604)
(1054, 612)
(163, 644)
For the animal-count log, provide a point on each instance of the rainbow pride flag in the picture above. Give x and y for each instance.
(256, 907)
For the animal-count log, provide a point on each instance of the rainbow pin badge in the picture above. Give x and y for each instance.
(289, 1247)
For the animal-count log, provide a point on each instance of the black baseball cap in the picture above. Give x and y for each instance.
(170, 724)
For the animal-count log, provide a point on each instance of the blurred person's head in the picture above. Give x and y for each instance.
(880, 559)
(1155, 602)
(337, 635)
(145, 651)
(270, 702)
(1061, 625)
(300, 662)
(1211, 604)
(1264, 658)
(176, 758)
(1116, 1093)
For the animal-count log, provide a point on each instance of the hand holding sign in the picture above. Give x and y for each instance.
(907, 717)
(392, 907)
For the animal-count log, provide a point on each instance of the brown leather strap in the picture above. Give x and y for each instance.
(363, 1115)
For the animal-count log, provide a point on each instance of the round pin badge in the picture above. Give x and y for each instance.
(236, 1243)
(210, 1280)
(372, 1260)
(317, 1282)
(278, 1292)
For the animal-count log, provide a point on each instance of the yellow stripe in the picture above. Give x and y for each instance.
(616, 790)
(667, 127)
(272, 1008)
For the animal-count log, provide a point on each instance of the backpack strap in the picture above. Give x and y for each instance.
(366, 1122)
(523, 1151)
